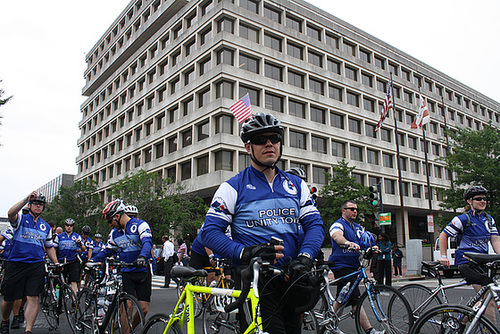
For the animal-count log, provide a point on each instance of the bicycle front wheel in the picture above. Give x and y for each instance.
(383, 308)
(48, 304)
(86, 316)
(127, 317)
(157, 324)
(68, 301)
(420, 298)
(452, 319)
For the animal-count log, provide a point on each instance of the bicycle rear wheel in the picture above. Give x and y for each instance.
(215, 319)
(385, 309)
(68, 301)
(452, 319)
(127, 317)
(416, 295)
(310, 323)
(157, 323)
(48, 304)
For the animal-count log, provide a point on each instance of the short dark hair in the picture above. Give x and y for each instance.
(344, 203)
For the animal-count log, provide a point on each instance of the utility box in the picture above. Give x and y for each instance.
(414, 256)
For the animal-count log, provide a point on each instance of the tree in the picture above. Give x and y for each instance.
(342, 186)
(475, 160)
(3, 101)
(163, 204)
(79, 202)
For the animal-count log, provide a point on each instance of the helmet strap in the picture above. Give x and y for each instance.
(266, 166)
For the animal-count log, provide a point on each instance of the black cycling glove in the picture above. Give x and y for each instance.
(298, 267)
(140, 262)
(264, 251)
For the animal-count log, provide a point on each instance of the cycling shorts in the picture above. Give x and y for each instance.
(138, 284)
(22, 279)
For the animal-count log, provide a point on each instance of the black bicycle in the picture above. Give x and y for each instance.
(57, 297)
(103, 306)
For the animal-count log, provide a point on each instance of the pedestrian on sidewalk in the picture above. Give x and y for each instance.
(397, 260)
(384, 259)
(168, 258)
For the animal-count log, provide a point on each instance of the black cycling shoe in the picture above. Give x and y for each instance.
(4, 328)
(15, 323)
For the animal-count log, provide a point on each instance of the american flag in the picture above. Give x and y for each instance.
(385, 108)
(242, 109)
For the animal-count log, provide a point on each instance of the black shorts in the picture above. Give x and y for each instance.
(474, 274)
(71, 271)
(138, 285)
(22, 279)
(199, 261)
(356, 294)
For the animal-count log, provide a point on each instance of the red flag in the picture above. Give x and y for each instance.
(385, 108)
(242, 109)
(423, 116)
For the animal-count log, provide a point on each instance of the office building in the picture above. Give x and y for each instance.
(160, 81)
(51, 189)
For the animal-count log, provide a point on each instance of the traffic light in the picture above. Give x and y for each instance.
(375, 197)
(313, 191)
(376, 221)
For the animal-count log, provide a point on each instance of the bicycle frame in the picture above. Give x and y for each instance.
(493, 293)
(439, 289)
(184, 309)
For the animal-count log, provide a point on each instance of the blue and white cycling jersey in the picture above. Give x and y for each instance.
(130, 243)
(30, 239)
(342, 257)
(257, 210)
(476, 236)
(7, 243)
(97, 247)
(67, 246)
(89, 244)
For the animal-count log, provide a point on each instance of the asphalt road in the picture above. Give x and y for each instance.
(163, 300)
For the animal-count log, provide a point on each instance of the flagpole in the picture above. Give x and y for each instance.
(398, 158)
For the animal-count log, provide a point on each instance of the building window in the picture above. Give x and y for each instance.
(315, 58)
(372, 157)
(272, 13)
(351, 73)
(380, 62)
(416, 190)
(172, 174)
(244, 161)
(353, 99)
(159, 150)
(408, 96)
(334, 66)
(349, 48)
(354, 125)
(367, 79)
(412, 142)
(224, 89)
(388, 160)
(295, 50)
(186, 170)
(319, 175)
(356, 153)
(313, 32)
(187, 106)
(187, 138)
(318, 115)
(204, 65)
(250, 33)
(337, 120)
(203, 130)
(225, 24)
(297, 139)
(296, 79)
(332, 40)
(294, 23)
(368, 104)
(370, 130)
(297, 109)
(365, 55)
(414, 166)
(253, 93)
(273, 71)
(225, 56)
(335, 92)
(224, 160)
(224, 124)
(203, 98)
(318, 144)
(251, 5)
(316, 86)
(338, 149)
(274, 102)
(385, 135)
(273, 42)
(389, 186)
(248, 63)
(202, 165)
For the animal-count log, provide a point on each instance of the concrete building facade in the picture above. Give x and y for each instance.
(51, 188)
(161, 79)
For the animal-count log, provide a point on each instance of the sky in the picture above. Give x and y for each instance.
(42, 60)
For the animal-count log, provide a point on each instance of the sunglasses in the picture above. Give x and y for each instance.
(37, 203)
(480, 199)
(262, 139)
(352, 209)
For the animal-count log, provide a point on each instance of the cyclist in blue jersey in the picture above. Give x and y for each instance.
(68, 244)
(24, 269)
(131, 239)
(98, 244)
(263, 202)
(346, 232)
(84, 256)
(476, 228)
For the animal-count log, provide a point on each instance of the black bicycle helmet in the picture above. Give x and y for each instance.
(38, 199)
(260, 123)
(86, 229)
(474, 191)
(112, 208)
(297, 171)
